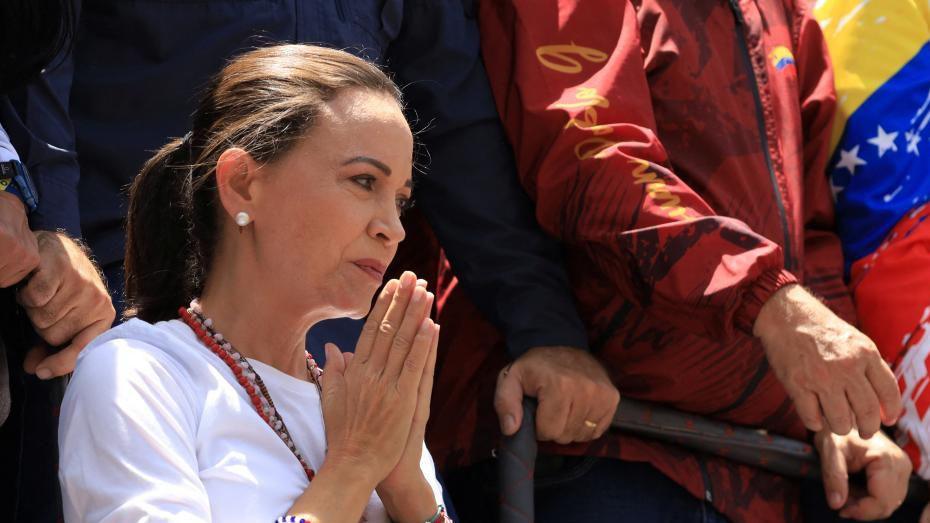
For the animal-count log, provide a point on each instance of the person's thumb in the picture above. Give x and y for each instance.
(835, 474)
(334, 372)
(508, 400)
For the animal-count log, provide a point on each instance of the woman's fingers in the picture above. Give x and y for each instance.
(417, 310)
(389, 325)
(412, 370)
(366, 338)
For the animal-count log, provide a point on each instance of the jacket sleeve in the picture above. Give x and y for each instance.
(569, 82)
(823, 255)
(39, 125)
(471, 196)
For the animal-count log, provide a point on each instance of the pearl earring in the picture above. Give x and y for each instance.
(243, 218)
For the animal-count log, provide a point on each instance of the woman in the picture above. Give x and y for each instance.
(281, 208)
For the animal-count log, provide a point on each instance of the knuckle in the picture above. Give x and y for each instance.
(52, 336)
(370, 327)
(412, 365)
(401, 342)
(386, 327)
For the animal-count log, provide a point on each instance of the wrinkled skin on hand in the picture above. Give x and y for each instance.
(826, 365)
(576, 398)
(372, 399)
(67, 302)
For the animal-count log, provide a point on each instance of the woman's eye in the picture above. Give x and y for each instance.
(404, 204)
(367, 181)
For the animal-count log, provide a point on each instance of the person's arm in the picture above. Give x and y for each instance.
(39, 124)
(578, 109)
(65, 298)
(19, 252)
(470, 194)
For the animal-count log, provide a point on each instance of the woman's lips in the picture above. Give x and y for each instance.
(373, 268)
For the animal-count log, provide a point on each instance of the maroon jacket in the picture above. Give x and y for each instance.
(677, 148)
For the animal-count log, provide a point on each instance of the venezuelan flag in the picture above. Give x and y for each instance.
(880, 168)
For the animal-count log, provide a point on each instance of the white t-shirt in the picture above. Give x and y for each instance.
(155, 427)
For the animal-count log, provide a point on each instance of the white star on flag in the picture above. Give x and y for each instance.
(912, 140)
(850, 160)
(884, 141)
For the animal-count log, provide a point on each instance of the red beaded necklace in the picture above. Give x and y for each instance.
(247, 377)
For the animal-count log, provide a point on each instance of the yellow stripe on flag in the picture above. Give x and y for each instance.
(869, 41)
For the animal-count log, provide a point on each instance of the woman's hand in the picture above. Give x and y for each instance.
(369, 400)
(406, 493)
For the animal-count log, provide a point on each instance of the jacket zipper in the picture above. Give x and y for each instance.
(763, 135)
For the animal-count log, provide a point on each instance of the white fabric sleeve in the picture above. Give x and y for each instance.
(127, 439)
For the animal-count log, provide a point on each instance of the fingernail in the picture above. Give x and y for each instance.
(418, 294)
(407, 279)
(43, 373)
(510, 424)
(426, 326)
(389, 287)
(421, 283)
(836, 499)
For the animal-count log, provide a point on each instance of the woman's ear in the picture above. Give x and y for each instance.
(236, 172)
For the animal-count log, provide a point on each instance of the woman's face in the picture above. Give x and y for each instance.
(327, 213)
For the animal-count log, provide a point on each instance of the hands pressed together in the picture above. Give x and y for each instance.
(63, 293)
(376, 402)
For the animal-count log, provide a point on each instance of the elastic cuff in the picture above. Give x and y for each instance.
(767, 284)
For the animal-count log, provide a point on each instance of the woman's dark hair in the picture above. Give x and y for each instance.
(263, 101)
(34, 33)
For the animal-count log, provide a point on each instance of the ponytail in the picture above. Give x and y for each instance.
(160, 269)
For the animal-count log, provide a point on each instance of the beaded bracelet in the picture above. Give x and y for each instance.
(439, 517)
